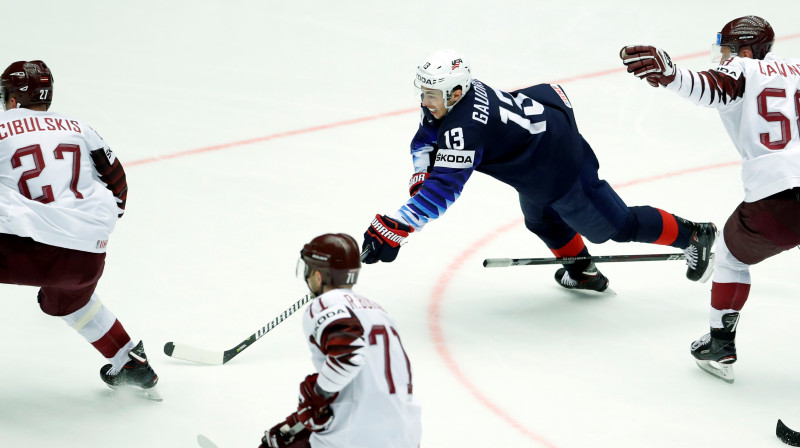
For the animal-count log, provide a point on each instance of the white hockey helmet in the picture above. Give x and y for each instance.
(444, 70)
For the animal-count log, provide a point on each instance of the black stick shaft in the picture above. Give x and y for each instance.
(265, 329)
(505, 262)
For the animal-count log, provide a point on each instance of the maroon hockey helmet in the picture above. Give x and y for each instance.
(30, 82)
(750, 31)
(335, 255)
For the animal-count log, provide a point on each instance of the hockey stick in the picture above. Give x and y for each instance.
(505, 262)
(202, 356)
(787, 436)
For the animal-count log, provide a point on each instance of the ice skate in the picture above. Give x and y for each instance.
(699, 257)
(715, 352)
(136, 374)
(590, 279)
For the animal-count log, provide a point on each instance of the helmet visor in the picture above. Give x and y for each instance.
(720, 52)
(301, 270)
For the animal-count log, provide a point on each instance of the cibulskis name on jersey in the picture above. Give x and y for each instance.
(37, 124)
(51, 191)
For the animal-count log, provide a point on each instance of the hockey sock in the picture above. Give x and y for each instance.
(727, 298)
(101, 328)
(655, 226)
(575, 248)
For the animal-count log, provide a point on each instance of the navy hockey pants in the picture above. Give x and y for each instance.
(593, 209)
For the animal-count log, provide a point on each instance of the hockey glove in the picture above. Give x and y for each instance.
(415, 183)
(382, 239)
(314, 411)
(289, 433)
(649, 63)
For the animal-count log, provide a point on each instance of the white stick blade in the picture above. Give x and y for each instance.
(189, 353)
(497, 262)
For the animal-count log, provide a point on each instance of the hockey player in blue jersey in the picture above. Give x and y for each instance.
(529, 140)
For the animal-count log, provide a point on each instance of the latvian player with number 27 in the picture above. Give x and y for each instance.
(529, 140)
(757, 95)
(362, 392)
(61, 193)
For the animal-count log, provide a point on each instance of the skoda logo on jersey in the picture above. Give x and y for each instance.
(330, 314)
(449, 158)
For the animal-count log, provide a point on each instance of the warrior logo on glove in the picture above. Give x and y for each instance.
(383, 238)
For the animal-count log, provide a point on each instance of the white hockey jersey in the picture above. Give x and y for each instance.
(376, 406)
(49, 189)
(759, 103)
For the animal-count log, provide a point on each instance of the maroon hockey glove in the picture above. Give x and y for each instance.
(112, 174)
(382, 239)
(289, 433)
(649, 63)
(415, 183)
(314, 411)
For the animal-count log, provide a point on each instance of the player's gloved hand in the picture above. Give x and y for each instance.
(314, 409)
(649, 63)
(415, 183)
(289, 433)
(383, 238)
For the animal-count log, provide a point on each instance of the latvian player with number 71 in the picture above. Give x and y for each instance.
(362, 392)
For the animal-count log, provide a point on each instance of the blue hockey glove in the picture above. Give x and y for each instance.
(382, 239)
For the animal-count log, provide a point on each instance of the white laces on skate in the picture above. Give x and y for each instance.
(566, 280)
(702, 341)
(691, 256)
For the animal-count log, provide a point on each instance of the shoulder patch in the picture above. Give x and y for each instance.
(449, 158)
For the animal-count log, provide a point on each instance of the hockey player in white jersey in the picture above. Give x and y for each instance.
(757, 95)
(362, 392)
(61, 193)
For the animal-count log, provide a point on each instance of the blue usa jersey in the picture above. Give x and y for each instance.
(527, 139)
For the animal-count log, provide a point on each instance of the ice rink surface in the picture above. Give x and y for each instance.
(249, 127)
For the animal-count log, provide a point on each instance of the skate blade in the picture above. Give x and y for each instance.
(721, 371)
(150, 394)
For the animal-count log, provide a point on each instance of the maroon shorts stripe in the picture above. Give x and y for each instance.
(758, 230)
(67, 278)
(729, 296)
(114, 339)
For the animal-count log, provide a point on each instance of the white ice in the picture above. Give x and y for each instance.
(248, 127)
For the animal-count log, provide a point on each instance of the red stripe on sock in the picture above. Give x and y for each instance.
(571, 249)
(729, 296)
(115, 338)
(669, 232)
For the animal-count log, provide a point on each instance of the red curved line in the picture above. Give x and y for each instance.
(437, 297)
